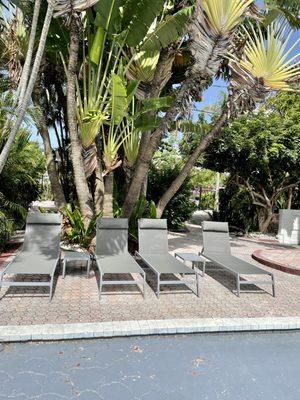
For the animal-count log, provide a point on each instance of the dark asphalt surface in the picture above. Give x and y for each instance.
(212, 366)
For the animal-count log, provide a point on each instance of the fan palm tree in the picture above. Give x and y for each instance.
(210, 32)
(264, 66)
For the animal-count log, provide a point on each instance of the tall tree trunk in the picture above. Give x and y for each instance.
(82, 189)
(147, 153)
(56, 188)
(58, 194)
(108, 195)
(144, 188)
(27, 95)
(99, 183)
(216, 130)
(202, 145)
(289, 199)
(27, 65)
(265, 216)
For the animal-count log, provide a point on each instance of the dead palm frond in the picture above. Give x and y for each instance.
(62, 7)
(266, 63)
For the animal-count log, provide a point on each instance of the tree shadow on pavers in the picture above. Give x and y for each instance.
(18, 292)
(29, 291)
(117, 289)
(229, 281)
(151, 280)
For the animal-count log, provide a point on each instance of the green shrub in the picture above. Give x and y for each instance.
(237, 209)
(143, 209)
(76, 232)
(6, 229)
(207, 201)
(181, 207)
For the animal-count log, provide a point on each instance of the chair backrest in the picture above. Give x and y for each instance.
(42, 234)
(215, 237)
(153, 236)
(111, 236)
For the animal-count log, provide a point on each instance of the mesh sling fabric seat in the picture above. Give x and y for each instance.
(40, 253)
(153, 250)
(216, 247)
(112, 255)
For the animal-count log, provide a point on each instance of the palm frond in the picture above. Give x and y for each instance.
(211, 30)
(266, 61)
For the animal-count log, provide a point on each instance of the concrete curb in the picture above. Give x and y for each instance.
(146, 327)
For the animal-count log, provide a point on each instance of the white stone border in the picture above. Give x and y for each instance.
(23, 333)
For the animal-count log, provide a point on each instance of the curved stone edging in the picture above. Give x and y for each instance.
(257, 255)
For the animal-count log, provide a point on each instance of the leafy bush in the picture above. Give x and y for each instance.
(181, 207)
(21, 177)
(237, 209)
(207, 201)
(6, 229)
(143, 209)
(76, 232)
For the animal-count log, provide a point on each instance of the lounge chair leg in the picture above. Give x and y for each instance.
(273, 285)
(64, 267)
(238, 285)
(100, 286)
(203, 269)
(51, 287)
(144, 286)
(198, 285)
(88, 268)
(158, 286)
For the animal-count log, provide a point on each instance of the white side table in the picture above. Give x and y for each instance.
(76, 256)
(195, 259)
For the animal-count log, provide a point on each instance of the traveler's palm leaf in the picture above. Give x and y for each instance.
(168, 30)
(266, 64)
(145, 12)
(211, 31)
(118, 99)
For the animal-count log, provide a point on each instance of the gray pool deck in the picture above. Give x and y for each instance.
(180, 367)
(76, 308)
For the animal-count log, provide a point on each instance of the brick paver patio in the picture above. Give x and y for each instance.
(287, 260)
(76, 297)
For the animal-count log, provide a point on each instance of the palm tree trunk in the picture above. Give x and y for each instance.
(99, 184)
(56, 188)
(108, 195)
(57, 191)
(82, 189)
(26, 68)
(202, 145)
(146, 155)
(27, 95)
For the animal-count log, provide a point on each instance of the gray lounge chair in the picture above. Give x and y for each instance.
(112, 255)
(40, 253)
(153, 249)
(216, 247)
